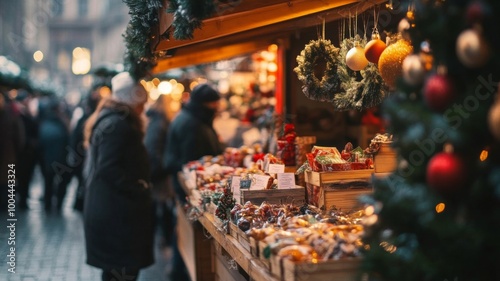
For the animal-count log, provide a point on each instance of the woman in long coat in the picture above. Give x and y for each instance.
(118, 206)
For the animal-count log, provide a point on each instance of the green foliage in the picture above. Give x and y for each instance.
(411, 240)
(139, 59)
(189, 15)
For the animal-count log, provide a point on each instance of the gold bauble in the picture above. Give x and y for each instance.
(472, 49)
(494, 120)
(390, 63)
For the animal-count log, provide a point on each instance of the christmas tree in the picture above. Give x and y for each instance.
(437, 216)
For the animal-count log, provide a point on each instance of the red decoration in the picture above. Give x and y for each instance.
(439, 92)
(477, 11)
(446, 172)
(374, 48)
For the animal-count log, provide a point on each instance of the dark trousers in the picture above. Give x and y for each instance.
(55, 182)
(120, 275)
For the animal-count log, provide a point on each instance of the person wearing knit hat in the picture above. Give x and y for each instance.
(126, 90)
(190, 136)
(118, 208)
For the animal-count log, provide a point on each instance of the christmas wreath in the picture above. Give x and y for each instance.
(361, 91)
(314, 88)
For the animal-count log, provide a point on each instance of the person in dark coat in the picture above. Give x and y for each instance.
(155, 142)
(191, 136)
(53, 137)
(11, 141)
(28, 157)
(118, 218)
(77, 152)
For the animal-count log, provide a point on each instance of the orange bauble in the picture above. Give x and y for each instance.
(374, 48)
(390, 64)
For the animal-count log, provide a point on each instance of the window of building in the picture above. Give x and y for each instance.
(57, 7)
(83, 8)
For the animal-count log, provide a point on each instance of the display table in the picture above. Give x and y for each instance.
(207, 251)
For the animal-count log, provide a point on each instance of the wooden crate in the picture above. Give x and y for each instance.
(240, 236)
(340, 188)
(322, 178)
(295, 195)
(254, 247)
(338, 270)
(342, 199)
(262, 256)
(385, 160)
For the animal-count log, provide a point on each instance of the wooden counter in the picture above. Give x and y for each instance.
(251, 265)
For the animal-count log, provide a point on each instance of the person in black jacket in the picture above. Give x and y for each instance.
(191, 136)
(118, 219)
(155, 142)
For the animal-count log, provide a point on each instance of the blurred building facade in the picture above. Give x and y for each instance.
(73, 36)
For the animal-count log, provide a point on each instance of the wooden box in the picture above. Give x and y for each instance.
(385, 160)
(338, 270)
(340, 188)
(345, 199)
(274, 196)
(262, 256)
(254, 247)
(240, 236)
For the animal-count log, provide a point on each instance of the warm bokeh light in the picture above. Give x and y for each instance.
(104, 92)
(193, 84)
(38, 56)
(440, 207)
(156, 81)
(154, 94)
(484, 155)
(370, 210)
(81, 61)
(272, 48)
(165, 87)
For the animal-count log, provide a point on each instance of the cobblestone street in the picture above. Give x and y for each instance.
(51, 247)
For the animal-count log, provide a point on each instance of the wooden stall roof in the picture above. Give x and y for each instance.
(248, 26)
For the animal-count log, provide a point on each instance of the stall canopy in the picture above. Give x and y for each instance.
(246, 26)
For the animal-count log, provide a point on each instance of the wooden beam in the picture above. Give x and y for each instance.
(254, 18)
(188, 56)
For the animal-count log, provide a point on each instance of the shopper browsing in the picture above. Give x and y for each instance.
(118, 205)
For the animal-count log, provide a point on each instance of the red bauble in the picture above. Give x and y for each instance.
(446, 172)
(374, 49)
(439, 92)
(477, 12)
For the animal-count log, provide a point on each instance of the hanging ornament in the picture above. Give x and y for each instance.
(472, 50)
(477, 12)
(374, 48)
(494, 118)
(355, 58)
(446, 172)
(413, 70)
(439, 92)
(391, 60)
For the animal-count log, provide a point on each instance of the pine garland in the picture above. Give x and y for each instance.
(189, 15)
(139, 59)
(313, 88)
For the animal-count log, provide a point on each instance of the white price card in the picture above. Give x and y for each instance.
(235, 186)
(276, 168)
(286, 180)
(259, 182)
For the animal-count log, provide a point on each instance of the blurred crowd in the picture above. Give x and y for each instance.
(43, 130)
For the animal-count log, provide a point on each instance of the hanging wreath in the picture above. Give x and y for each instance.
(314, 88)
(361, 90)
